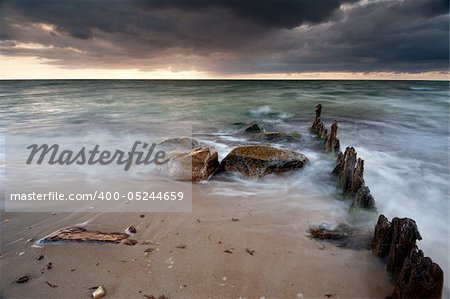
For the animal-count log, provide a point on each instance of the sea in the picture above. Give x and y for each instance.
(400, 128)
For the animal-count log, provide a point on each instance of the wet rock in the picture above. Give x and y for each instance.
(79, 234)
(131, 230)
(318, 127)
(382, 239)
(51, 284)
(260, 160)
(196, 165)
(419, 278)
(180, 143)
(255, 128)
(331, 141)
(363, 200)
(99, 292)
(130, 242)
(279, 136)
(404, 236)
(22, 279)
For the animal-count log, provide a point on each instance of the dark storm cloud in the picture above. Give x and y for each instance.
(232, 36)
(268, 13)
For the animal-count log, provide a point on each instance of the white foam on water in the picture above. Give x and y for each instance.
(262, 110)
(408, 187)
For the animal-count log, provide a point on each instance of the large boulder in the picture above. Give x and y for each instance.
(260, 160)
(197, 164)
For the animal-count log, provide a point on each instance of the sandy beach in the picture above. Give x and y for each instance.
(198, 149)
(226, 248)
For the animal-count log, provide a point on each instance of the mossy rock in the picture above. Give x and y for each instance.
(260, 160)
(279, 136)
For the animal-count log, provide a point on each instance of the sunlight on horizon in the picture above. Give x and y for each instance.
(23, 68)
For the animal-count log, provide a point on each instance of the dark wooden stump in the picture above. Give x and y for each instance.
(318, 127)
(363, 199)
(419, 278)
(358, 177)
(404, 236)
(347, 167)
(382, 238)
(332, 142)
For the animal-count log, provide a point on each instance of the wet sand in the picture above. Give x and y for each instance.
(202, 254)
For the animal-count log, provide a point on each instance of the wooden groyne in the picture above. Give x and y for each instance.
(349, 168)
(413, 274)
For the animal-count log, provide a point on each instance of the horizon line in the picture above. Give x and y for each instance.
(226, 79)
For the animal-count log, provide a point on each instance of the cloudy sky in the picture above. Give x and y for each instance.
(224, 39)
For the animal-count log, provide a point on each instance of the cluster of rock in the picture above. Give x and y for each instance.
(349, 168)
(194, 161)
(415, 276)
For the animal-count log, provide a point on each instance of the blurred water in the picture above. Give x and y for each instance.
(400, 128)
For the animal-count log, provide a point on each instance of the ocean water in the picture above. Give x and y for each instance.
(400, 129)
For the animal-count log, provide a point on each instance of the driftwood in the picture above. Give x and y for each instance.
(326, 234)
(79, 234)
(342, 235)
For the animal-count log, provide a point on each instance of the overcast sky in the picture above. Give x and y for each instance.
(223, 38)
